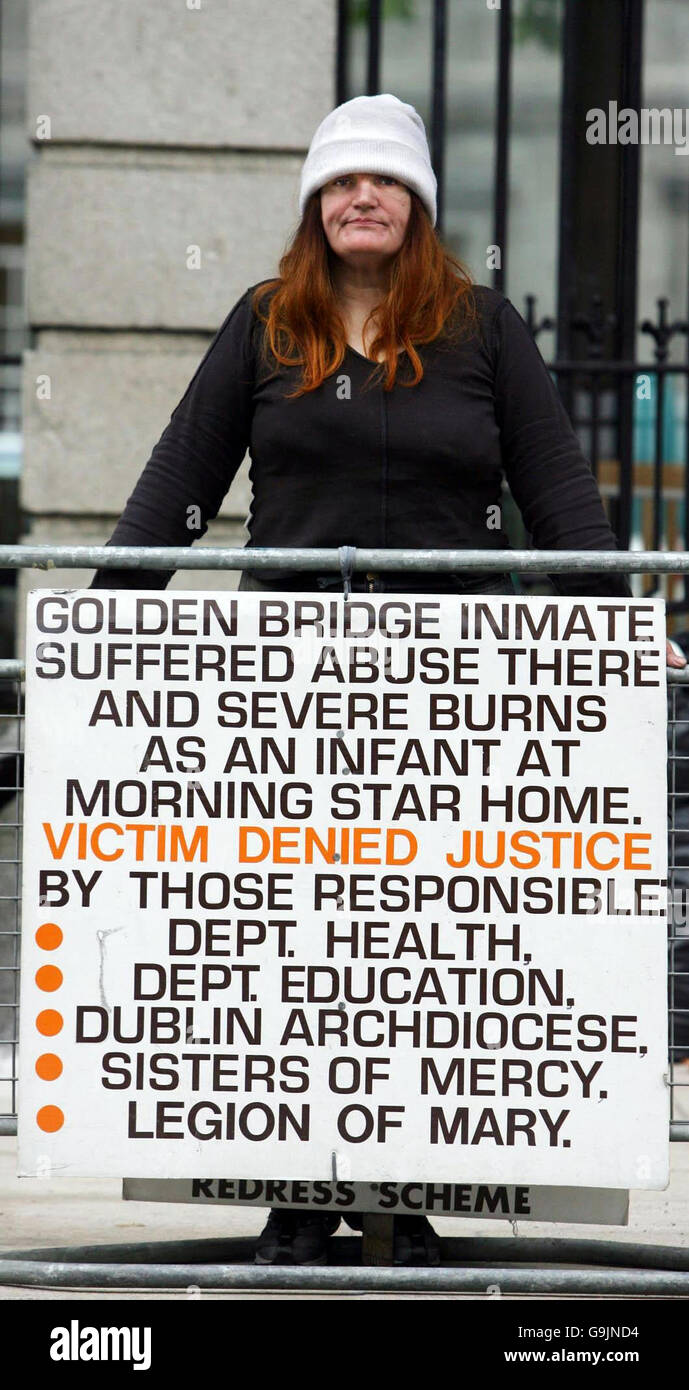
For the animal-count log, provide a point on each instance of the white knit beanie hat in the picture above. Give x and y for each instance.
(378, 135)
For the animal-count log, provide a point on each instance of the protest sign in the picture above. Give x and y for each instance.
(350, 890)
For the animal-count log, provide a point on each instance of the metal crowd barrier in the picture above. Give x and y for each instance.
(629, 1268)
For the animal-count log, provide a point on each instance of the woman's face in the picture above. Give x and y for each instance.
(365, 216)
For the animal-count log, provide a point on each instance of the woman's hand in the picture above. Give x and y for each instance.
(673, 656)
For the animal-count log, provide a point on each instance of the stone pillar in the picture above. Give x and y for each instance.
(167, 144)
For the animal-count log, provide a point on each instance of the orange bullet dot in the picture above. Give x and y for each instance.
(49, 1022)
(48, 977)
(50, 1118)
(48, 1066)
(49, 936)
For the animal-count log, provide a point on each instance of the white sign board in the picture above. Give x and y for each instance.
(365, 890)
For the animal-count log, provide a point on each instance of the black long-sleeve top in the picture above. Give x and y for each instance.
(415, 466)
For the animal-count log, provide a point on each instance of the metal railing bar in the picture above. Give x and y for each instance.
(472, 1249)
(65, 1274)
(16, 670)
(106, 557)
(502, 144)
(375, 16)
(438, 103)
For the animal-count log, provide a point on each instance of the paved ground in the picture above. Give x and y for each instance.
(77, 1211)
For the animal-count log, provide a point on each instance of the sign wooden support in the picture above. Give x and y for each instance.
(377, 1239)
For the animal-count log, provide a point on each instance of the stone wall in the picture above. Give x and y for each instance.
(155, 128)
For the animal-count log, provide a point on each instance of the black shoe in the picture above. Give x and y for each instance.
(415, 1242)
(295, 1238)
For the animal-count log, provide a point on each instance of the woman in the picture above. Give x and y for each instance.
(383, 397)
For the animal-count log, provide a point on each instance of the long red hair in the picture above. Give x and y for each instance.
(429, 294)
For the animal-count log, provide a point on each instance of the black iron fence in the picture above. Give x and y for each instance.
(631, 415)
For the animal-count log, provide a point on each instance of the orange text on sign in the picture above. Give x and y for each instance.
(104, 841)
(345, 845)
(556, 849)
